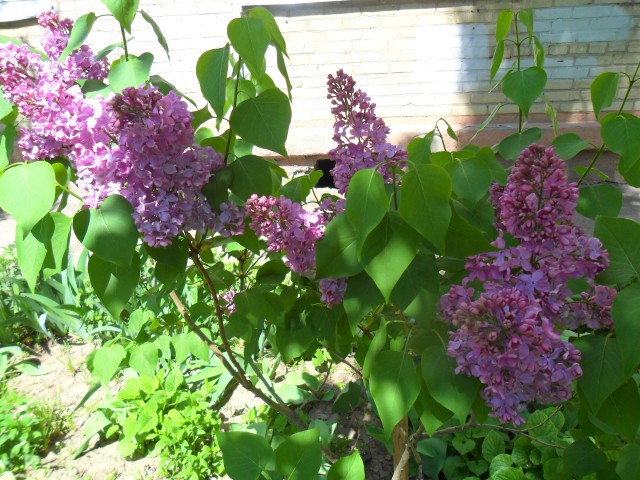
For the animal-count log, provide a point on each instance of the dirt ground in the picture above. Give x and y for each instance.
(67, 384)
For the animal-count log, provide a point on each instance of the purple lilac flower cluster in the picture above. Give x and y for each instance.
(360, 134)
(140, 145)
(330, 206)
(230, 220)
(506, 335)
(332, 290)
(45, 92)
(289, 228)
(227, 300)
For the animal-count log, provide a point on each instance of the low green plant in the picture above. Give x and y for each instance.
(187, 444)
(533, 452)
(28, 430)
(52, 305)
(163, 415)
(13, 324)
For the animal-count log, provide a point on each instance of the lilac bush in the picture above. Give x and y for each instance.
(528, 319)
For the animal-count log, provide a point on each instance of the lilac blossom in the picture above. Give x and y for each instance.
(57, 33)
(288, 228)
(230, 220)
(330, 206)
(227, 300)
(46, 92)
(361, 135)
(505, 335)
(332, 290)
(294, 231)
(140, 145)
(504, 340)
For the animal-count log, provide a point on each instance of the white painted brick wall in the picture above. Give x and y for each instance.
(418, 60)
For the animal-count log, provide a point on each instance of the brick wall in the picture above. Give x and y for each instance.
(418, 60)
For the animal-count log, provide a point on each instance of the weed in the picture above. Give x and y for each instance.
(28, 430)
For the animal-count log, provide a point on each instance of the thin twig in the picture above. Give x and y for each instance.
(235, 102)
(418, 460)
(234, 369)
(326, 377)
(345, 361)
(267, 385)
(555, 412)
(66, 189)
(459, 428)
(124, 44)
(187, 318)
(193, 253)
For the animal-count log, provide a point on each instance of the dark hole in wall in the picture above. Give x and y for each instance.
(325, 166)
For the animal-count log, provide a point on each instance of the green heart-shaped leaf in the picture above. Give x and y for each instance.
(109, 230)
(264, 120)
(524, 87)
(27, 192)
(113, 284)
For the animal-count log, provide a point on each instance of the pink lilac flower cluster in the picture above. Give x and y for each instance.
(289, 228)
(361, 136)
(140, 145)
(45, 92)
(506, 335)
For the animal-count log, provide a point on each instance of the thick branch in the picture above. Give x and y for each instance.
(404, 459)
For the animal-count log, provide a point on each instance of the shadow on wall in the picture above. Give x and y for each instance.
(22, 13)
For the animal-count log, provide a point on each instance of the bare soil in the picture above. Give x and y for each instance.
(66, 384)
